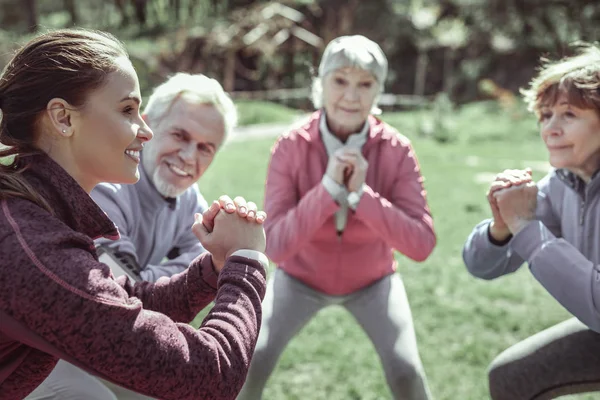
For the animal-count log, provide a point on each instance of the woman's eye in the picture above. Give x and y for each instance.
(128, 110)
(544, 116)
(339, 81)
(366, 85)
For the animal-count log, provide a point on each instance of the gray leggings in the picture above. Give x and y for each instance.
(67, 382)
(561, 360)
(381, 309)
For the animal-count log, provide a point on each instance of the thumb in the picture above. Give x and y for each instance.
(208, 218)
(199, 229)
(528, 170)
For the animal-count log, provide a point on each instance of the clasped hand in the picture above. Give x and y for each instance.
(512, 197)
(348, 167)
(230, 225)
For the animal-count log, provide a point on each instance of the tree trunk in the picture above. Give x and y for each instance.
(229, 71)
(32, 17)
(421, 72)
(72, 10)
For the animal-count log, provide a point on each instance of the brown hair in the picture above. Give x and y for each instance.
(578, 77)
(65, 64)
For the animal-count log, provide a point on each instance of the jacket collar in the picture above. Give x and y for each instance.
(69, 202)
(375, 134)
(577, 184)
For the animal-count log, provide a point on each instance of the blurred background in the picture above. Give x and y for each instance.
(455, 70)
(466, 49)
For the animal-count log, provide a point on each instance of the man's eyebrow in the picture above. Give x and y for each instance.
(182, 131)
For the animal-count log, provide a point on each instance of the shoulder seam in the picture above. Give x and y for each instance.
(43, 268)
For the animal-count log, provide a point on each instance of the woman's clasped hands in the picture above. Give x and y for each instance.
(230, 225)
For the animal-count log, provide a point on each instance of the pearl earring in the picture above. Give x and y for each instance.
(64, 131)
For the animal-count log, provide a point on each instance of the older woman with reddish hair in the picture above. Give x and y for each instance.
(553, 225)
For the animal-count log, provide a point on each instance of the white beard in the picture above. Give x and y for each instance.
(164, 188)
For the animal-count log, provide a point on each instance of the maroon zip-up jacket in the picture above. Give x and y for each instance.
(58, 301)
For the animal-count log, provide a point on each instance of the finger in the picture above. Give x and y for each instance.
(351, 151)
(208, 217)
(240, 203)
(347, 159)
(498, 185)
(252, 209)
(226, 203)
(528, 171)
(261, 216)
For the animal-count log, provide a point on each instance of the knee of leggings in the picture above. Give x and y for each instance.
(405, 371)
(504, 382)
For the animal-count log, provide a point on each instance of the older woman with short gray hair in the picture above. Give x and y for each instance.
(343, 192)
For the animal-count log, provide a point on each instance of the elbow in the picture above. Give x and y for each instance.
(479, 271)
(274, 253)
(275, 249)
(424, 249)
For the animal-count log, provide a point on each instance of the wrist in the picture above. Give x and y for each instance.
(218, 264)
(355, 196)
(498, 233)
(518, 225)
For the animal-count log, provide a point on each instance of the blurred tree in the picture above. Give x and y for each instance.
(32, 15)
(72, 10)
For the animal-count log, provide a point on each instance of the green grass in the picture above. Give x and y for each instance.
(462, 323)
(262, 112)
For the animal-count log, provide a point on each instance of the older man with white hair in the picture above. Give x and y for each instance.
(190, 116)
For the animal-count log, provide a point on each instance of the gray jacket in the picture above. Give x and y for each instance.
(562, 246)
(151, 227)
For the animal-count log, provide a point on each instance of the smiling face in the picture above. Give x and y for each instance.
(187, 139)
(348, 97)
(572, 136)
(109, 131)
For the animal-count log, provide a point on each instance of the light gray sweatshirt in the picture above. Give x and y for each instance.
(151, 226)
(561, 246)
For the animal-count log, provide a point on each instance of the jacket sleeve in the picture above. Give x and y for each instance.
(71, 308)
(292, 221)
(572, 279)
(403, 220)
(487, 260)
(182, 296)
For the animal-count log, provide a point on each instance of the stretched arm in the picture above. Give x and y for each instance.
(292, 220)
(198, 283)
(403, 220)
(486, 258)
(82, 315)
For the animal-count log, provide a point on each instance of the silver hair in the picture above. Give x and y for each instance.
(351, 51)
(195, 89)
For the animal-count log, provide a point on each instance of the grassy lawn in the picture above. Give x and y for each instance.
(461, 322)
(262, 112)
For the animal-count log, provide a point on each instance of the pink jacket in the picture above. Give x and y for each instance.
(392, 213)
